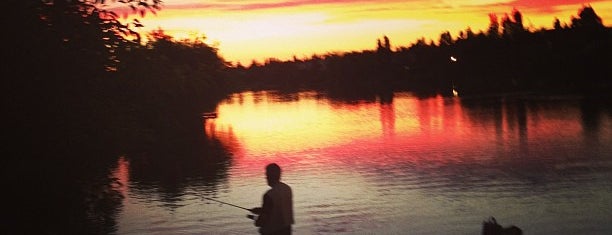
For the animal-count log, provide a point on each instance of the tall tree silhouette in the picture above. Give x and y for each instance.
(445, 39)
(493, 30)
(512, 25)
(587, 18)
(61, 52)
(175, 81)
(56, 57)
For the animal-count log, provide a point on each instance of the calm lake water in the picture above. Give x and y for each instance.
(403, 166)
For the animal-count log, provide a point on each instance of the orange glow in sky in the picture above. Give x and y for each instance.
(259, 29)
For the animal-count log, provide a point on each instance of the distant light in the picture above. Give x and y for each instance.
(453, 59)
(455, 93)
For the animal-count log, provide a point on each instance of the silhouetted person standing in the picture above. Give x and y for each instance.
(276, 213)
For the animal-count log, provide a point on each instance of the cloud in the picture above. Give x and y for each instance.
(228, 6)
(270, 5)
(544, 6)
(537, 6)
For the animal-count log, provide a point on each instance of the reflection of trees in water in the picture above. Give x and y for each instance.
(68, 195)
(592, 110)
(387, 119)
(507, 115)
(533, 161)
(170, 172)
(514, 162)
(79, 194)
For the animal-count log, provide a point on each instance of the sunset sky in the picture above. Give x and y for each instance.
(259, 29)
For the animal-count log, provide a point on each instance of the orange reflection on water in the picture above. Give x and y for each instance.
(324, 131)
(266, 126)
(122, 175)
(310, 130)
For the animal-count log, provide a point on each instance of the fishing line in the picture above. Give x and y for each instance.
(229, 204)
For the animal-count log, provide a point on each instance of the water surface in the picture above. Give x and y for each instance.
(407, 165)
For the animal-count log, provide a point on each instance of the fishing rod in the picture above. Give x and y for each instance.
(229, 204)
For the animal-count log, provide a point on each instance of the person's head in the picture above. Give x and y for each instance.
(273, 173)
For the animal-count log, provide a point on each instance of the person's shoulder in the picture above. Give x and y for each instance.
(271, 190)
(285, 186)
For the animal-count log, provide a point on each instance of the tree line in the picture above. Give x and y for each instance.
(505, 58)
(75, 75)
(81, 88)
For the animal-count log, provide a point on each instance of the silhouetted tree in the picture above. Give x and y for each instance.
(62, 51)
(512, 26)
(59, 97)
(493, 30)
(175, 81)
(557, 24)
(518, 18)
(387, 43)
(384, 45)
(445, 39)
(469, 33)
(587, 18)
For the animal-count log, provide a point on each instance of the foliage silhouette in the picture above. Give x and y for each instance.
(79, 81)
(78, 93)
(507, 58)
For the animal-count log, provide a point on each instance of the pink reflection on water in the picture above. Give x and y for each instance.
(306, 130)
(387, 120)
(122, 176)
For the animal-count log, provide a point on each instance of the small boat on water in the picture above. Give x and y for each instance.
(209, 115)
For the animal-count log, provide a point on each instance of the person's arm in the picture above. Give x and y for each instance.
(256, 210)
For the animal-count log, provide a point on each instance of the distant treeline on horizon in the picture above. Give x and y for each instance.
(505, 58)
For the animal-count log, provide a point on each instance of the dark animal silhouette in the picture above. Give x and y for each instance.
(491, 227)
